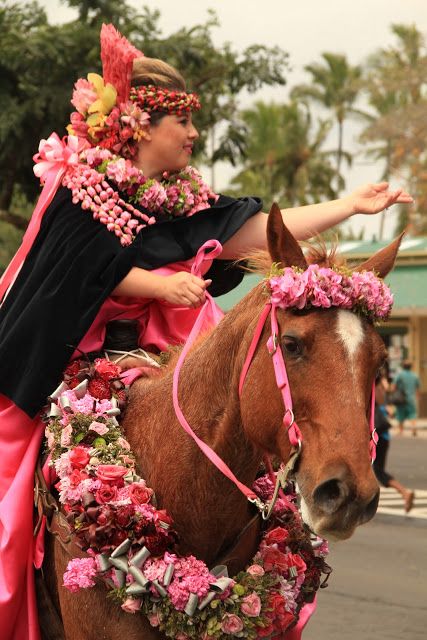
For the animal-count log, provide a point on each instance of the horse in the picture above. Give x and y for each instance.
(332, 357)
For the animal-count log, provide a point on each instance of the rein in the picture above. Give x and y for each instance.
(295, 436)
(282, 381)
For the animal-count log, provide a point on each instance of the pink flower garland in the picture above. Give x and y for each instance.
(360, 291)
(176, 195)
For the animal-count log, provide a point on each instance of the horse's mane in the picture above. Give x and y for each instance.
(316, 252)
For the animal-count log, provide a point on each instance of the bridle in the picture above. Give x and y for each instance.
(208, 251)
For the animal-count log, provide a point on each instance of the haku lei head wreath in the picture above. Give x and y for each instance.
(359, 291)
(109, 113)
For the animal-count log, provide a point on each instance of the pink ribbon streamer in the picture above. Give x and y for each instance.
(55, 156)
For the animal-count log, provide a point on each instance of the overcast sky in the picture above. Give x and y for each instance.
(303, 28)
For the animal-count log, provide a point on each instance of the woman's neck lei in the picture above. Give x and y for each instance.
(131, 545)
(175, 195)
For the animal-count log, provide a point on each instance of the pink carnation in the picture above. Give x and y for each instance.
(84, 95)
(80, 574)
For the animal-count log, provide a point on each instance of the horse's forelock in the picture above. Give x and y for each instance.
(259, 262)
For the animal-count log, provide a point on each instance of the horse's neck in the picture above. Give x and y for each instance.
(208, 510)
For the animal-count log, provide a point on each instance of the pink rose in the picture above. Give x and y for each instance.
(255, 570)
(79, 457)
(99, 427)
(110, 473)
(106, 493)
(131, 605)
(251, 605)
(76, 477)
(139, 493)
(276, 536)
(154, 619)
(294, 560)
(231, 624)
(66, 434)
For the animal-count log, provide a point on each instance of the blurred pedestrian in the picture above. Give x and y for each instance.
(382, 426)
(408, 382)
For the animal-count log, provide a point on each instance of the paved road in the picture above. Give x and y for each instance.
(378, 589)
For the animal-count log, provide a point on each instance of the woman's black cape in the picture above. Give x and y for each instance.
(72, 267)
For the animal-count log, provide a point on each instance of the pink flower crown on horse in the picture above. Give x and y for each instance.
(360, 291)
(109, 113)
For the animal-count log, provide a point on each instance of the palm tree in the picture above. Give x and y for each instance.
(395, 84)
(285, 160)
(335, 85)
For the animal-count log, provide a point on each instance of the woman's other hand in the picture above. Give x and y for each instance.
(183, 289)
(372, 198)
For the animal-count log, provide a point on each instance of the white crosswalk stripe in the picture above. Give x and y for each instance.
(391, 503)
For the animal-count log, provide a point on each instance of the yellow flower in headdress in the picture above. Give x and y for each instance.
(107, 96)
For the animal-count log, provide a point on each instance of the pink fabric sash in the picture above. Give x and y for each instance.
(20, 439)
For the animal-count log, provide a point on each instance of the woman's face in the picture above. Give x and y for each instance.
(168, 145)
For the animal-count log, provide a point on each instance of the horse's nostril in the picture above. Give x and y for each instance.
(330, 495)
(371, 508)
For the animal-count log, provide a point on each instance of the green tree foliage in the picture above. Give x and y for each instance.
(40, 62)
(335, 85)
(285, 160)
(396, 86)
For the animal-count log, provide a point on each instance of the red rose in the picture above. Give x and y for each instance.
(111, 473)
(124, 515)
(265, 632)
(139, 493)
(79, 457)
(274, 559)
(294, 560)
(162, 516)
(106, 493)
(277, 536)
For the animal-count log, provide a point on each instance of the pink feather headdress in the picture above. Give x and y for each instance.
(117, 55)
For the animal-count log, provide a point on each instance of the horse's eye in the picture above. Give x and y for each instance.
(291, 346)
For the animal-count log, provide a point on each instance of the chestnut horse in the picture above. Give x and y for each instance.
(332, 357)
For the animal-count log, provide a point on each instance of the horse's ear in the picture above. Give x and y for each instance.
(382, 262)
(283, 247)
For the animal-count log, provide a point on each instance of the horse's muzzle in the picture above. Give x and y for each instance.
(336, 506)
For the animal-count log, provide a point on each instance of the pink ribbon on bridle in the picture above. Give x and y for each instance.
(53, 159)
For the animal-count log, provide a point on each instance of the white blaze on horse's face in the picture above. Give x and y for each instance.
(350, 330)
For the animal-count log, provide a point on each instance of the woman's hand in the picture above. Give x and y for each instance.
(372, 198)
(183, 289)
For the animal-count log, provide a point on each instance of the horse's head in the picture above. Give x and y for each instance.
(332, 357)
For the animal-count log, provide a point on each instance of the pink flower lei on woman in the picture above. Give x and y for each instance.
(131, 544)
(90, 181)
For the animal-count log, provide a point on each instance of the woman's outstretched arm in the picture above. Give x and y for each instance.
(305, 222)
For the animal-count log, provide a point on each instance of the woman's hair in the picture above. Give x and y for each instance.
(153, 71)
(148, 71)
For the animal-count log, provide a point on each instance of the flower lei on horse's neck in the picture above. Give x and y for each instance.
(131, 545)
(111, 119)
